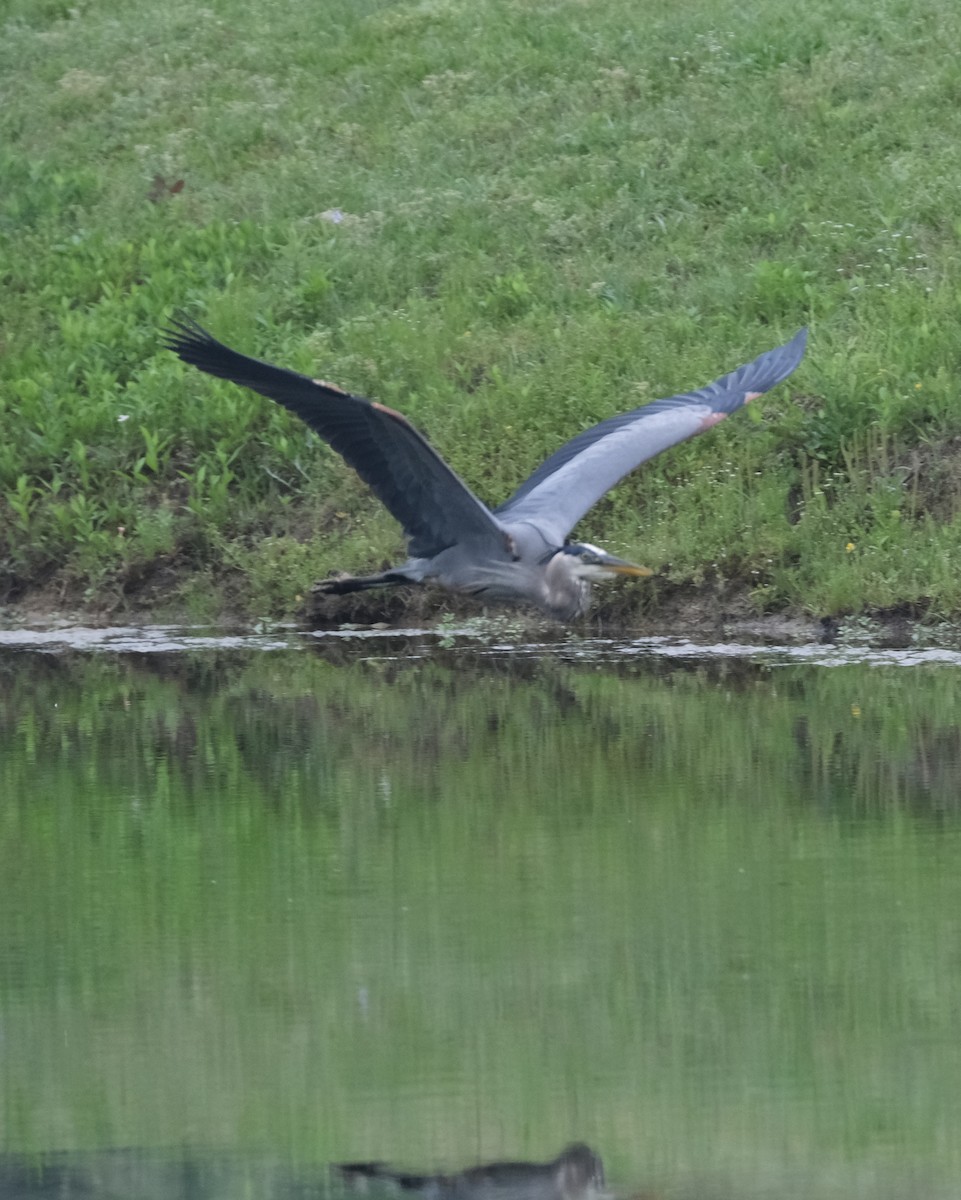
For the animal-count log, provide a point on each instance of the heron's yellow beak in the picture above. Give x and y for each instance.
(620, 566)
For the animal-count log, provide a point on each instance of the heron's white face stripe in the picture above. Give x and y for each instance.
(578, 562)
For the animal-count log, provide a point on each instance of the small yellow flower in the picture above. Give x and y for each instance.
(855, 710)
(849, 547)
(917, 387)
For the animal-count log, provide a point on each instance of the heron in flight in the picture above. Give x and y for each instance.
(519, 551)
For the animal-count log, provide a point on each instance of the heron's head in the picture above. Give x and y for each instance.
(595, 565)
(579, 1172)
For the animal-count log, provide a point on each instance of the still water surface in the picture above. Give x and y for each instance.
(286, 901)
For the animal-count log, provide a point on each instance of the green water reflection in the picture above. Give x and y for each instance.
(706, 918)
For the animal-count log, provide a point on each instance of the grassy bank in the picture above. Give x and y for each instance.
(509, 220)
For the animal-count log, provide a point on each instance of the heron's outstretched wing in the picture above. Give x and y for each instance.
(573, 479)
(412, 481)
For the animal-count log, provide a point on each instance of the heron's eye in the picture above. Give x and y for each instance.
(590, 559)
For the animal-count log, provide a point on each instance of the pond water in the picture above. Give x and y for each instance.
(271, 902)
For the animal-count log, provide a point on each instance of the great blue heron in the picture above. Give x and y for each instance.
(519, 551)
(576, 1174)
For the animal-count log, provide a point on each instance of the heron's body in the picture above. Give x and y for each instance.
(518, 552)
(518, 566)
(576, 1174)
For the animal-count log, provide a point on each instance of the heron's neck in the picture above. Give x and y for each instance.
(566, 594)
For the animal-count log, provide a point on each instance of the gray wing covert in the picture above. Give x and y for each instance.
(573, 479)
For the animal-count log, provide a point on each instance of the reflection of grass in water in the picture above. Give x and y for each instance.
(705, 919)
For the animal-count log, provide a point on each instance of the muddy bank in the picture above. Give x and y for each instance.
(710, 610)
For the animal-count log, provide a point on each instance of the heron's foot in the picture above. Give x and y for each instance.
(341, 584)
(338, 585)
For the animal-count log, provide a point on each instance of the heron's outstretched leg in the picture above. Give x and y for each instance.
(339, 585)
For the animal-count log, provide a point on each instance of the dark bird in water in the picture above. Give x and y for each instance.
(576, 1174)
(519, 551)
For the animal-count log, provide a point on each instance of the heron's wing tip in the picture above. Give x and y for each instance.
(180, 324)
(798, 344)
(785, 359)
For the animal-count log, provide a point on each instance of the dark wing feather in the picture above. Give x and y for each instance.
(573, 479)
(412, 481)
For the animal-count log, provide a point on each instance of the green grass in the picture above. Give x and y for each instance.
(551, 211)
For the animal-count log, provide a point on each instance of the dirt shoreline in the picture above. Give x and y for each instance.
(711, 610)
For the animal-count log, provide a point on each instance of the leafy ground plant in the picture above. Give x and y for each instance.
(510, 221)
